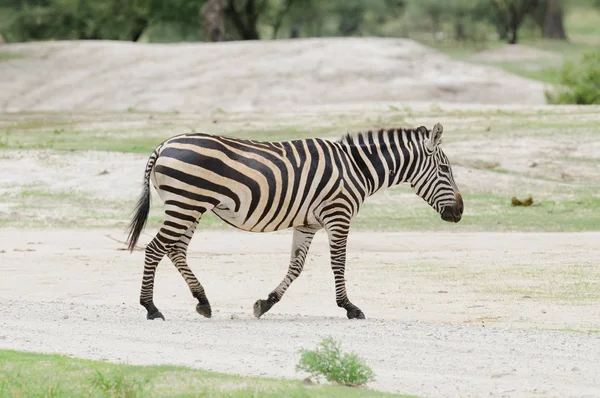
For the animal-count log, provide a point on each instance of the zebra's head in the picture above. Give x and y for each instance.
(433, 181)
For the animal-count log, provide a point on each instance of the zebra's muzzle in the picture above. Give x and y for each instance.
(453, 213)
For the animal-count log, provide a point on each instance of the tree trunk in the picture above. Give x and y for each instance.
(553, 23)
(139, 25)
(511, 14)
(514, 32)
(245, 20)
(295, 31)
(212, 15)
(459, 27)
(279, 18)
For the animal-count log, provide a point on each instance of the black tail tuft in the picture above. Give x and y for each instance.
(136, 226)
(142, 209)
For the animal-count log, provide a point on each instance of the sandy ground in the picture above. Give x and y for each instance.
(280, 74)
(75, 292)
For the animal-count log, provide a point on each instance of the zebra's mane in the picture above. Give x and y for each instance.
(350, 138)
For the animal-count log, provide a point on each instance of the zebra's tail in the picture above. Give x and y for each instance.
(142, 208)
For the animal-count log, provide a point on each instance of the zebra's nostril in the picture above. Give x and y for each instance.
(459, 203)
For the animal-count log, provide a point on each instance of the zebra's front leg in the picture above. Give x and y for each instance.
(337, 231)
(301, 243)
(178, 255)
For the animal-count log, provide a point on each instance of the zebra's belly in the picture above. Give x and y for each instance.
(238, 220)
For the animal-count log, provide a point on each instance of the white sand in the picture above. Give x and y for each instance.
(75, 293)
(247, 75)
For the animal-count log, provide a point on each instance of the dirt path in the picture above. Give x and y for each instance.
(448, 314)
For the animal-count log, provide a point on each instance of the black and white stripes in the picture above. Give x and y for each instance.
(306, 185)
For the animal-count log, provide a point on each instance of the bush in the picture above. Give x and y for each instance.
(328, 361)
(580, 82)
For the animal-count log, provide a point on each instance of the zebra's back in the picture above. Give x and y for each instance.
(253, 185)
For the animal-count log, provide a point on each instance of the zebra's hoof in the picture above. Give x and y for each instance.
(261, 306)
(355, 313)
(204, 310)
(155, 315)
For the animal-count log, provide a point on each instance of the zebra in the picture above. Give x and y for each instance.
(304, 184)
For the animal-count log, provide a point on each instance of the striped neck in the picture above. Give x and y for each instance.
(385, 158)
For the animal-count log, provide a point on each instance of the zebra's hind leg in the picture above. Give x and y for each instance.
(337, 230)
(178, 255)
(301, 243)
(176, 223)
(155, 251)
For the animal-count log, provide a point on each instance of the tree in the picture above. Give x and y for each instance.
(280, 15)
(212, 15)
(434, 10)
(509, 15)
(463, 14)
(244, 15)
(351, 14)
(107, 19)
(553, 21)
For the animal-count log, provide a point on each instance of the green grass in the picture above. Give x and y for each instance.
(73, 140)
(543, 69)
(41, 375)
(582, 25)
(37, 135)
(485, 212)
(4, 56)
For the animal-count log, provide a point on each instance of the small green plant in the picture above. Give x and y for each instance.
(342, 368)
(119, 385)
(580, 82)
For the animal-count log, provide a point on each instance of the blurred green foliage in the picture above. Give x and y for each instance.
(25, 20)
(580, 81)
(179, 20)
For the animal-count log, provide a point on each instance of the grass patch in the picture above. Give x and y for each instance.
(42, 375)
(72, 140)
(577, 285)
(327, 360)
(544, 69)
(583, 24)
(583, 31)
(549, 280)
(119, 140)
(483, 212)
(4, 56)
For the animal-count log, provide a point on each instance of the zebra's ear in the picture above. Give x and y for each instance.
(435, 136)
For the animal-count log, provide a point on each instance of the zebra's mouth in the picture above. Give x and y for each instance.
(454, 212)
(450, 216)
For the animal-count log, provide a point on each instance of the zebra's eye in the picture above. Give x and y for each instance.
(444, 168)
